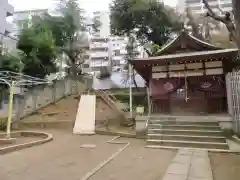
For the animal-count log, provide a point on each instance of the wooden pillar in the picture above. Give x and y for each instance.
(205, 93)
(169, 96)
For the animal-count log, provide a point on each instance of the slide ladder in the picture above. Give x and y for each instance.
(110, 100)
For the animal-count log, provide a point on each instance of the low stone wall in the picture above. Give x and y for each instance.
(141, 128)
(46, 138)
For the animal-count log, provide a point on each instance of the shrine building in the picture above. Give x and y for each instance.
(187, 76)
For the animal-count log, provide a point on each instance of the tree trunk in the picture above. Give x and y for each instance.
(135, 82)
(236, 13)
(232, 27)
(74, 75)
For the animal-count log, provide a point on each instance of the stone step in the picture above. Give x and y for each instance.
(166, 122)
(189, 148)
(187, 138)
(192, 144)
(191, 132)
(187, 126)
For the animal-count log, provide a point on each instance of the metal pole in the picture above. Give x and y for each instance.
(130, 89)
(10, 107)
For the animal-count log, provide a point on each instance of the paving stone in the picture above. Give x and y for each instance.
(190, 165)
(178, 168)
(200, 168)
(198, 179)
(185, 152)
(174, 177)
(201, 153)
(183, 159)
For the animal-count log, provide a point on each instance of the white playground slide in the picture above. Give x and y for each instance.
(85, 118)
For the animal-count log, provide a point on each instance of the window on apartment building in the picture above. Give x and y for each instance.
(85, 65)
(226, 5)
(117, 52)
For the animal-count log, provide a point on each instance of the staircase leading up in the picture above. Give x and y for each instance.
(169, 132)
(112, 103)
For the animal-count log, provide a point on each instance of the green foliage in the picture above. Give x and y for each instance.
(150, 20)
(131, 48)
(39, 50)
(65, 30)
(49, 36)
(154, 49)
(3, 123)
(9, 62)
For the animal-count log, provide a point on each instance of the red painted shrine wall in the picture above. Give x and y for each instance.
(205, 94)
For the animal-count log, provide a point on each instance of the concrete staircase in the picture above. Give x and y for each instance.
(168, 132)
(114, 104)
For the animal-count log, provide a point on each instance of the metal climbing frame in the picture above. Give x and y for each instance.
(13, 80)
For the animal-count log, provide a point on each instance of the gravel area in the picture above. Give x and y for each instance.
(63, 158)
(225, 166)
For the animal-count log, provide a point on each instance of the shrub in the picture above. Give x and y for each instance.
(3, 123)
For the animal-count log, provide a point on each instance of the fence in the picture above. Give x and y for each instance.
(233, 98)
(41, 96)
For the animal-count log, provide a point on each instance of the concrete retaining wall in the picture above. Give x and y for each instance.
(141, 128)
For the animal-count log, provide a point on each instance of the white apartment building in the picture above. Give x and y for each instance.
(118, 48)
(104, 19)
(99, 53)
(6, 27)
(197, 7)
(23, 18)
(105, 50)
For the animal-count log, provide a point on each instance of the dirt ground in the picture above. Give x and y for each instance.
(137, 163)
(225, 166)
(63, 158)
(66, 109)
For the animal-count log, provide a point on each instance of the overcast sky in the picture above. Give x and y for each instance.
(89, 5)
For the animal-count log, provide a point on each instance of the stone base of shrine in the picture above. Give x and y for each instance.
(224, 120)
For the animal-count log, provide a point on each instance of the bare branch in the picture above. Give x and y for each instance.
(226, 19)
(193, 24)
(212, 14)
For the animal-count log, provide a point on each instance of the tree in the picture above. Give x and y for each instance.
(70, 35)
(9, 62)
(154, 49)
(39, 50)
(194, 24)
(150, 20)
(231, 23)
(131, 54)
(96, 24)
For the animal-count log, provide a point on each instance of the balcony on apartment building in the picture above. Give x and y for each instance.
(8, 28)
(99, 55)
(99, 63)
(119, 62)
(97, 46)
(99, 39)
(9, 9)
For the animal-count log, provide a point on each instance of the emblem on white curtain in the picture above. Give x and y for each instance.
(206, 85)
(168, 86)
